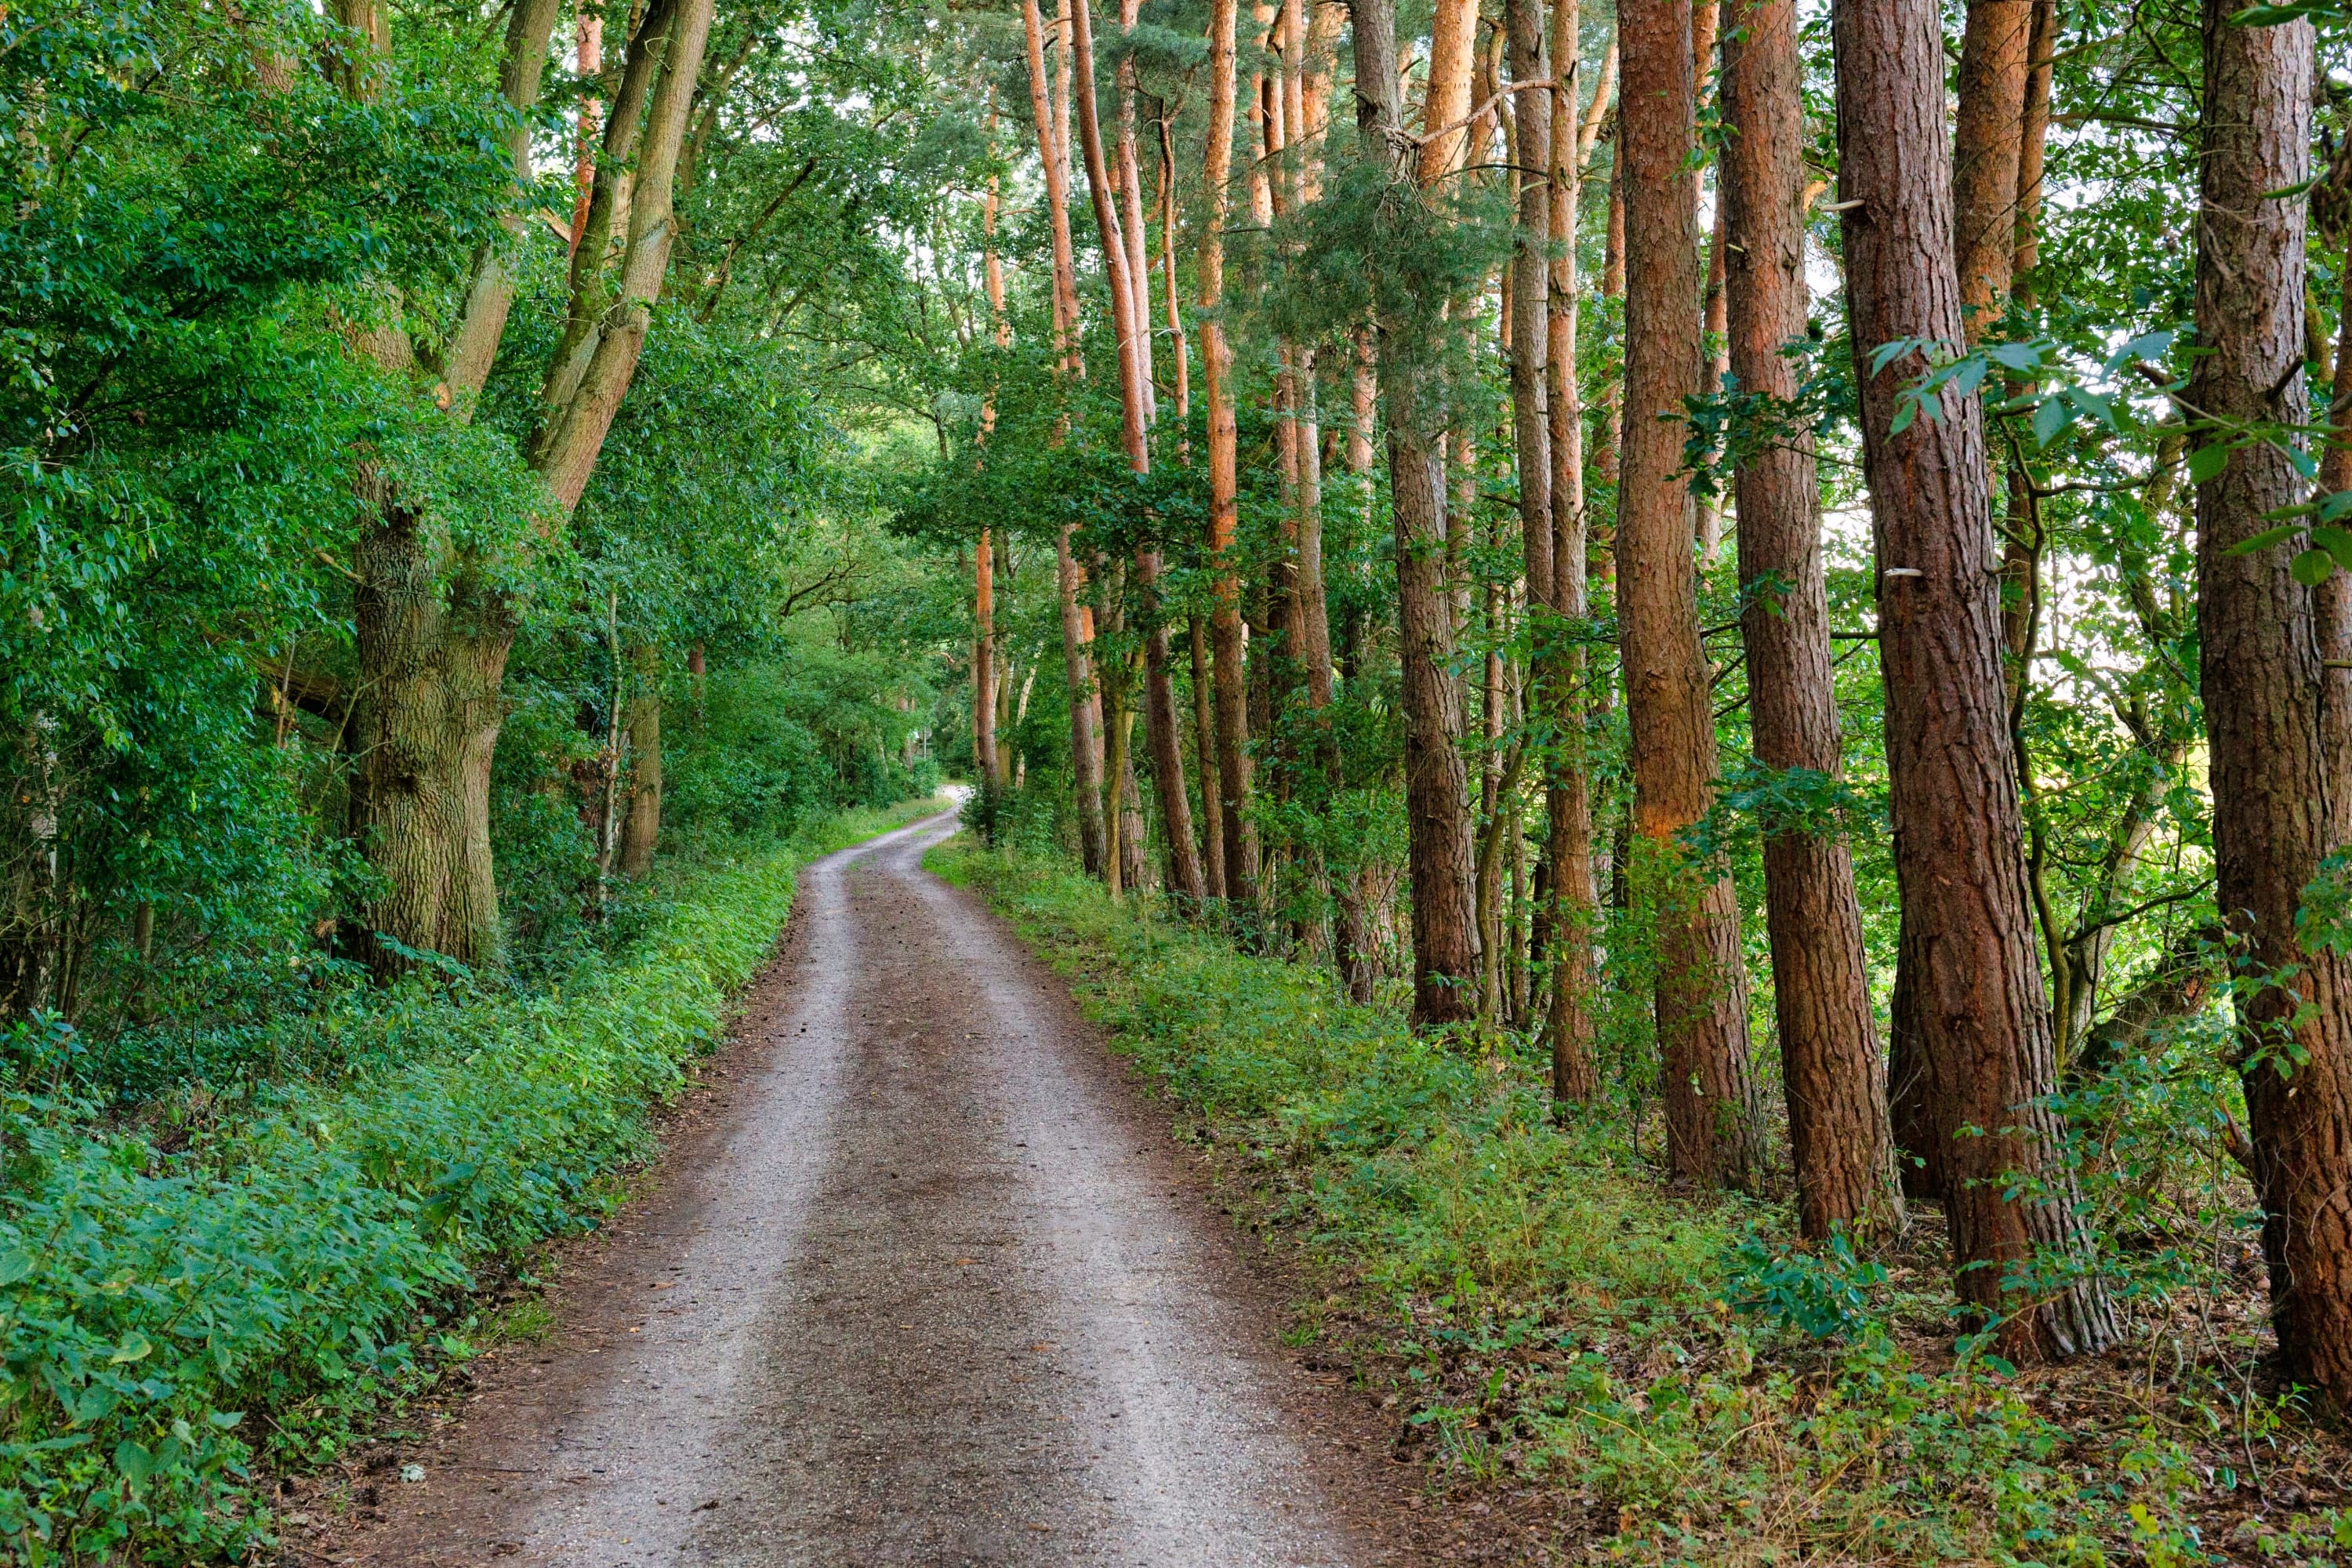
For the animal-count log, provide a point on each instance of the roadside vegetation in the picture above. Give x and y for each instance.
(1653, 1375)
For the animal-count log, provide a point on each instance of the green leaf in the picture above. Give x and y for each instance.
(135, 1463)
(2018, 357)
(2148, 345)
(15, 1264)
(1903, 413)
(2207, 463)
(2051, 418)
(2337, 541)
(136, 1346)
(1969, 374)
(2313, 567)
(2264, 540)
(2305, 463)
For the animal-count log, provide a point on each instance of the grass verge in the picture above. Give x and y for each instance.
(175, 1321)
(1642, 1376)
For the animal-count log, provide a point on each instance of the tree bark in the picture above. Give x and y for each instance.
(490, 289)
(1976, 1006)
(1571, 921)
(1437, 809)
(1988, 141)
(1227, 638)
(642, 830)
(606, 329)
(1205, 751)
(424, 725)
(1835, 1079)
(1701, 1003)
(2275, 798)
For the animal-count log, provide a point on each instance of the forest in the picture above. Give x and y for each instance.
(1677, 672)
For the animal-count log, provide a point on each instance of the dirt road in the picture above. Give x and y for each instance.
(928, 1284)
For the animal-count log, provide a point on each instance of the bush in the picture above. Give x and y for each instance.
(171, 1320)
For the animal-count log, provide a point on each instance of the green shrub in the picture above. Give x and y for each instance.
(168, 1321)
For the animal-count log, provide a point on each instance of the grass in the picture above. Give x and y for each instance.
(1557, 1328)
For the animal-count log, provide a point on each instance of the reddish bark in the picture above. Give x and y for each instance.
(1977, 1005)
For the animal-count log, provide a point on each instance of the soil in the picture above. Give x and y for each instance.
(921, 1277)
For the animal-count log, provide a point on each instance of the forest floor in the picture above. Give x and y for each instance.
(922, 1277)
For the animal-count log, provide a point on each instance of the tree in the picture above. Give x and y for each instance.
(1437, 801)
(2276, 795)
(1701, 999)
(1820, 985)
(1982, 1022)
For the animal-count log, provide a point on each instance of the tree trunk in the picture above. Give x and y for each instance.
(1558, 599)
(424, 727)
(1986, 144)
(2267, 717)
(1205, 751)
(489, 290)
(983, 663)
(1835, 1077)
(1226, 639)
(1977, 1008)
(1085, 735)
(606, 332)
(1437, 807)
(1702, 1005)
(642, 830)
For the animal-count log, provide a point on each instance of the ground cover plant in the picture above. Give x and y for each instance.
(1671, 1377)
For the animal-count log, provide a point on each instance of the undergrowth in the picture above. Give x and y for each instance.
(235, 1281)
(1661, 1378)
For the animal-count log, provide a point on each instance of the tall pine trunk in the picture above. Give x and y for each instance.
(1821, 984)
(2267, 715)
(1977, 1003)
(1701, 1003)
(1226, 639)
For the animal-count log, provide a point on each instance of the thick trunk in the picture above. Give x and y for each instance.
(642, 830)
(423, 728)
(1702, 1005)
(1976, 1009)
(2267, 712)
(1835, 1077)
(1226, 641)
(1437, 806)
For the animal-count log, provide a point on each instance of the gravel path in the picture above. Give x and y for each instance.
(927, 1283)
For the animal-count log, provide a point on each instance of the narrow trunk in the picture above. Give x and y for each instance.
(1085, 736)
(1445, 928)
(642, 830)
(2267, 711)
(1227, 638)
(1835, 1079)
(1205, 753)
(983, 663)
(1976, 1009)
(1566, 883)
(1129, 292)
(1701, 1006)
(1986, 143)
